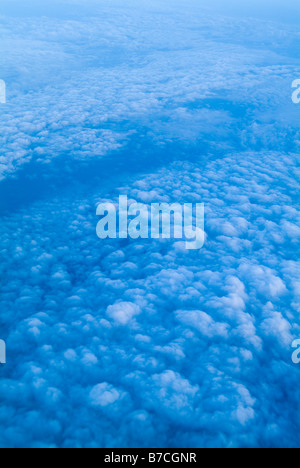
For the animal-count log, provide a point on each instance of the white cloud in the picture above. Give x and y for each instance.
(169, 347)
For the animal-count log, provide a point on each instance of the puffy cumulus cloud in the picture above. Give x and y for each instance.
(123, 312)
(104, 395)
(189, 348)
(85, 79)
(202, 322)
(122, 343)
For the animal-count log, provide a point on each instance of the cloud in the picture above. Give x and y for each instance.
(203, 322)
(123, 312)
(154, 346)
(104, 395)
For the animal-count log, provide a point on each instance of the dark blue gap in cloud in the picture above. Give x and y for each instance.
(140, 155)
(37, 181)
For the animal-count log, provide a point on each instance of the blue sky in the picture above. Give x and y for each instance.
(141, 343)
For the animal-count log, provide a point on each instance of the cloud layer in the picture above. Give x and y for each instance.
(143, 343)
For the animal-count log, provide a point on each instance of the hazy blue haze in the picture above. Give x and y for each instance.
(141, 343)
